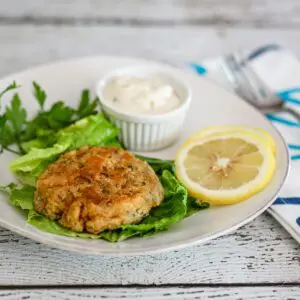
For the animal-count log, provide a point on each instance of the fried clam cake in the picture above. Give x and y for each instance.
(93, 189)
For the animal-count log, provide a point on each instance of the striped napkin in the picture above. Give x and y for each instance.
(279, 69)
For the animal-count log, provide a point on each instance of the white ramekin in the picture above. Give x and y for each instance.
(146, 132)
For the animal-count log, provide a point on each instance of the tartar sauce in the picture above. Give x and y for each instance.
(141, 95)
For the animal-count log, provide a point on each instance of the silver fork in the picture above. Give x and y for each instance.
(250, 87)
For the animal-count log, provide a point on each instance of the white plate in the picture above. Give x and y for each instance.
(211, 105)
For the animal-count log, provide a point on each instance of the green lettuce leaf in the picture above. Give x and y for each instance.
(36, 143)
(20, 197)
(30, 178)
(45, 138)
(94, 130)
(159, 165)
(194, 206)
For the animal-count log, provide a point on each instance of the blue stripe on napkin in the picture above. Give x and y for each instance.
(289, 95)
(293, 201)
(294, 147)
(201, 70)
(284, 121)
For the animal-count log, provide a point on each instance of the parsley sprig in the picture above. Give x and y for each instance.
(16, 129)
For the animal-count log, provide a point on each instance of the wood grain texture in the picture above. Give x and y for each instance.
(257, 13)
(260, 252)
(241, 293)
(28, 45)
(24, 46)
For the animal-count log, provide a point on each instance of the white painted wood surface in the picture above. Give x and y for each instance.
(169, 293)
(28, 45)
(260, 254)
(258, 13)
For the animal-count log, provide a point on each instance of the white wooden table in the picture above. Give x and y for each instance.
(260, 260)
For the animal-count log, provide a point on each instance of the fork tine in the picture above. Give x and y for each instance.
(268, 98)
(229, 71)
(247, 86)
(260, 93)
(233, 71)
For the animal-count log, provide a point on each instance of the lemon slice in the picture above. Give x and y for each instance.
(234, 128)
(225, 168)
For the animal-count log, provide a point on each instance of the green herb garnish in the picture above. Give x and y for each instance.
(16, 129)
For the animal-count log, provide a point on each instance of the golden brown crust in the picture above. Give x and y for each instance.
(97, 188)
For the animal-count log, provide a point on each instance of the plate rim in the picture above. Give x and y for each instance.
(158, 249)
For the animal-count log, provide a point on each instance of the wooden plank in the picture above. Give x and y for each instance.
(23, 46)
(228, 293)
(259, 13)
(259, 252)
